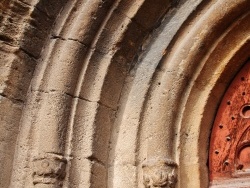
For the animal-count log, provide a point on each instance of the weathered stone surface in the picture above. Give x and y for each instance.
(10, 113)
(160, 173)
(116, 94)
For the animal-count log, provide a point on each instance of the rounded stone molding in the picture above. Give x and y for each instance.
(115, 84)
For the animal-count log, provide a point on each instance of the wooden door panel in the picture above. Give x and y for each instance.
(229, 155)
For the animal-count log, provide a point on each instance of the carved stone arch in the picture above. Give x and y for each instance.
(74, 93)
(187, 89)
(123, 88)
(223, 59)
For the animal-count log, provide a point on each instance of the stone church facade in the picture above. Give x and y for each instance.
(124, 93)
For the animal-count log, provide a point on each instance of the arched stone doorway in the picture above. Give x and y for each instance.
(124, 93)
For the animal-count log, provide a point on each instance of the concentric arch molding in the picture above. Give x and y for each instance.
(121, 83)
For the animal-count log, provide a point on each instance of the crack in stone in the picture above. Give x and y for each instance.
(94, 159)
(52, 37)
(25, 3)
(75, 97)
(98, 102)
(57, 37)
(14, 100)
(9, 44)
(29, 54)
(77, 41)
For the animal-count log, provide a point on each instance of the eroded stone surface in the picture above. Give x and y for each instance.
(104, 93)
(160, 173)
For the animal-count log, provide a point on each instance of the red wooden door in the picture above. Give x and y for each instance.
(229, 155)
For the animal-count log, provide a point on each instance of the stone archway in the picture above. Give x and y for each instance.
(123, 94)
